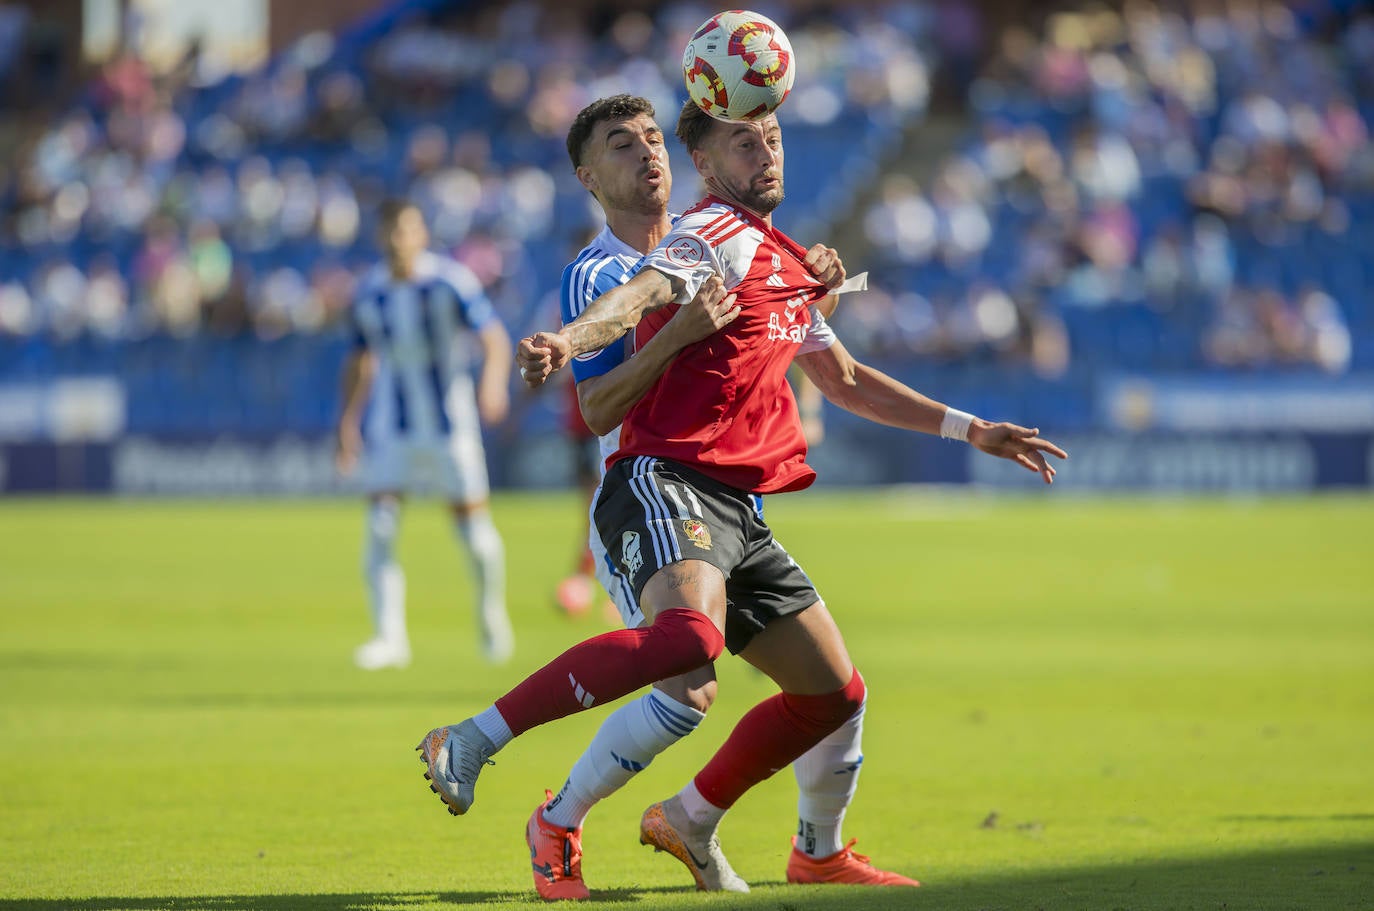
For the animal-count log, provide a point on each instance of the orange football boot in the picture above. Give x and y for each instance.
(845, 866)
(556, 857)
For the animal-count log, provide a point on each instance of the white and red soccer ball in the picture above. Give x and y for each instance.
(738, 66)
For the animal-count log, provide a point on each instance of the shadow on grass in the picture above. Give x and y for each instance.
(1329, 878)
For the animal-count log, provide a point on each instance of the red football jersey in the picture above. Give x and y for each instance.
(724, 407)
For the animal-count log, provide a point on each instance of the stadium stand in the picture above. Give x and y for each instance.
(1165, 189)
(204, 241)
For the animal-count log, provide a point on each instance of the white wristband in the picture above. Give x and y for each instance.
(955, 424)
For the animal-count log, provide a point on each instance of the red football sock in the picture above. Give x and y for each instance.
(606, 667)
(771, 735)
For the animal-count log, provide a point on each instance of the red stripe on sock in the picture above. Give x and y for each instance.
(771, 735)
(606, 667)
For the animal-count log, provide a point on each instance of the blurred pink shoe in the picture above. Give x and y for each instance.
(574, 595)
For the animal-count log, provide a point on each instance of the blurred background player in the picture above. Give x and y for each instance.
(411, 371)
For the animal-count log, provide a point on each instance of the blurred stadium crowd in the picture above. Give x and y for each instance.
(154, 207)
(1163, 187)
(1182, 186)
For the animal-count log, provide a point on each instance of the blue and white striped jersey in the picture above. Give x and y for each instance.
(412, 327)
(603, 264)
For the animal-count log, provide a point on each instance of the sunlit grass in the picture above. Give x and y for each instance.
(1073, 704)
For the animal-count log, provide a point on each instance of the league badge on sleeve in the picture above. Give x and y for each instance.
(686, 251)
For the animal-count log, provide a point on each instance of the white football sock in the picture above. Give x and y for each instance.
(625, 744)
(386, 583)
(492, 723)
(483, 542)
(700, 810)
(827, 776)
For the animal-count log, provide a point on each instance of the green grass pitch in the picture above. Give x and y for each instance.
(1074, 704)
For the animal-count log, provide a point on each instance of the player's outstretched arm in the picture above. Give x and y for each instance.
(872, 394)
(606, 399)
(605, 320)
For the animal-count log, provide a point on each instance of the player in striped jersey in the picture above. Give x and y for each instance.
(409, 371)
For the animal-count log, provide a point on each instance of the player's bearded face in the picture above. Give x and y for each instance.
(748, 165)
(762, 193)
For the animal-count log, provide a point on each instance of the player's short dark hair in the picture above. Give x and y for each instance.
(392, 207)
(692, 125)
(616, 107)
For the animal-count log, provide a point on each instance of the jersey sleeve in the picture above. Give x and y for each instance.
(688, 255)
(820, 337)
(583, 282)
(474, 307)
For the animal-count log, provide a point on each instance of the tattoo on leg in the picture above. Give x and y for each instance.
(681, 578)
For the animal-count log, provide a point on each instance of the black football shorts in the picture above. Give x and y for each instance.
(653, 513)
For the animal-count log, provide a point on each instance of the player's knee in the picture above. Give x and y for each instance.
(383, 523)
(692, 640)
(824, 713)
(852, 697)
(463, 511)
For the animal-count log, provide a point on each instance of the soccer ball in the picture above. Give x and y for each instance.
(738, 66)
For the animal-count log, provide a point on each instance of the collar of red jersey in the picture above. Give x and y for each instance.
(752, 218)
(754, 221)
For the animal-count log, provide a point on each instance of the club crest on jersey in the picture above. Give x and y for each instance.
(629, 552)
(697, 533)
(686, 251)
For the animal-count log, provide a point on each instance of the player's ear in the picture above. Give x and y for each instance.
(587, 179)
(703, 163)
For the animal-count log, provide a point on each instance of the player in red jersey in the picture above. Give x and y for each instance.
(719, 424)
(617, 151)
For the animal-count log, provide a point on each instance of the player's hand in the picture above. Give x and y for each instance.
(825, 264)
(348, 443)
(1022, 445)
(539, 355)
(711, 310)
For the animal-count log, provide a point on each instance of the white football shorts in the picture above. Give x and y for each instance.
(452, 465)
